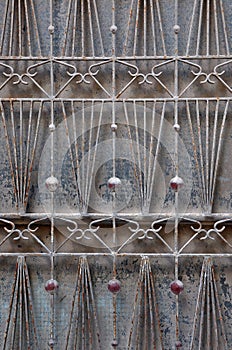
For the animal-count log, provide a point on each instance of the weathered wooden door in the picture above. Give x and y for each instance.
(116, 172)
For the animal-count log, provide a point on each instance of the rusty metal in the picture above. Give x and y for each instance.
(105, 84)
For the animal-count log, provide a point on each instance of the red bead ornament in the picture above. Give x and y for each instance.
(178, 344)
(114, 343)
(114, 182)
(176, 287)
(114, 285)
(51, 286)
(176, 183)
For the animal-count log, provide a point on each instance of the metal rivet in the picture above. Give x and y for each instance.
(51, 29)
(52, 183)
(114, 127)
(176, 29)
(51, 342)
(113, 29)
(114, 343)
(52, 127)
(176, 127)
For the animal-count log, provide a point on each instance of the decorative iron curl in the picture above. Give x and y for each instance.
(20, 233)
(208, 233)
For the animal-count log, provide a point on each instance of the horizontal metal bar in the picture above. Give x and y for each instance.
(24, 58)
(215, 255)
(120, 255)
(136, 216)
(106, 58)
(170, 99)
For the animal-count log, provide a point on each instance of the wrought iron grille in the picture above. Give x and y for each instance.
(115, 174)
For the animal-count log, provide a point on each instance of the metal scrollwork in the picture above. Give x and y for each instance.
(215, 229)
(20, 78)
(155, 75)
(20, 233)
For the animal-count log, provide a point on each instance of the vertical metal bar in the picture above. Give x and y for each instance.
(83, 179)
(93, 307)
(76, 160)
(74, 30)
(128, 28)
(36, 26)
(195, 152)
(216, 26)
(15, 153)
(19, 29)
(87, 182)
(156, 308)
(199, 296)
(21, 149)
(176, 277)
(52, 296)
(144, 154)
(176, 160)
(114, 297)
(207, 153)
(64, 48)
(149, 189)
(214, 315)
(138, 154)
(199, 28)
(145, 305)
(82, 29)
(224, 28)
(156, 153)
(212, 162)
(11, 27)
(15, 305)
(69, 142)
(98, 27)
(9, 154)
(11, 306)
(153, 27)
(208, 311)
(131, 147)
(191, 26)
(219, 148)
(223, 333)
(29, 168)
(91, 27)
(75, 294)
(89, 327)
(4, 27)
(140, 316)
(83, 330)
(145, 27)
(201, 152)
(207, 28)
(26, 159)
(78, 328)
(202, 308)
(30, 304)
(136, 301)
(26, 311)
(95, 153)
(28, 27)
(161, 27)
(136, 27)
(113, 94)
(151, 305)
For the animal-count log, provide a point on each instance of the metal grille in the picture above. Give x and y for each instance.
(115, 174)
